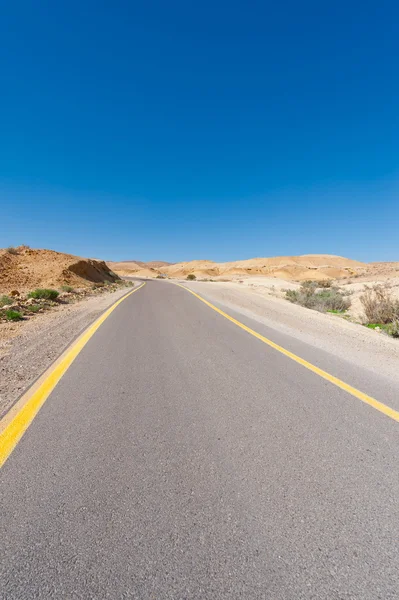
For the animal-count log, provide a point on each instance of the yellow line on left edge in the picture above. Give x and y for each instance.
(17, 420)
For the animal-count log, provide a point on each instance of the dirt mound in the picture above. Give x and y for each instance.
(24, 269)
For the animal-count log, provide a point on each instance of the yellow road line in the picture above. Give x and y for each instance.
(20, 416)
(383, 408)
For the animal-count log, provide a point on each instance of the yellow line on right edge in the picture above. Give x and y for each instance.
(383, 408)
(17, 420)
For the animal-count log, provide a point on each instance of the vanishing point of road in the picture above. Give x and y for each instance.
(180, 457)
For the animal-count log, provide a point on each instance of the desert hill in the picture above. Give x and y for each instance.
(25, 269)
(137, 268)
(290, 268)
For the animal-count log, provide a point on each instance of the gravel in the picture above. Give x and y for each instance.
(28, 348)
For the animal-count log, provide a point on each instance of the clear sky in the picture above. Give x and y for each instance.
(220, 130)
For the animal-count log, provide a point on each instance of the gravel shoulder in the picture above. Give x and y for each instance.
(351, 342)
(27, 349)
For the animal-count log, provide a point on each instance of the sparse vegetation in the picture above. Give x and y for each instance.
(44, 294)
(393, 328)
(191, 277)
(67, 288)
(326, 299)
(4, 300)
(13, 315)
(34, 308)
(378, 305)
(380, 309)
(12, 250)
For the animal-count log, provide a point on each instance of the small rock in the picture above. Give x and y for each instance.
(14, 293)
(30, 301)
(12, 307)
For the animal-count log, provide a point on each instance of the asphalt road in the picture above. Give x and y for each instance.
(181, 458)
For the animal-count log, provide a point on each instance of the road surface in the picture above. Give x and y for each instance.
(181, 458)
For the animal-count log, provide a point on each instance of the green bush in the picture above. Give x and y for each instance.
(328, 299)
(4, 300)
(13, 315)
(34, 308)
(191, 277)
(67, 288)
(45, 294)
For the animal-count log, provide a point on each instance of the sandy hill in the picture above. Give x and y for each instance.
(25, 269)
(292, 268)
(137, 268)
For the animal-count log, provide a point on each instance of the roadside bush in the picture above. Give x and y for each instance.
(13, 315)
(379, 306)
(4, 300)
(67, 288)
(191, 277)
(393, 328)
(322, 300)
(45, 294)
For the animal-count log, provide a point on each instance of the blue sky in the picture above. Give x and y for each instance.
(218, 130)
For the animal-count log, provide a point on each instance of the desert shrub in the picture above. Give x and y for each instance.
(45, 294)
(12, 250)
(67, 288)
(322, 300)
(4, 300)
(332, 299)
(13, 315)
(393, 328)
(309, 286)
(379, 306)
(191, 277)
